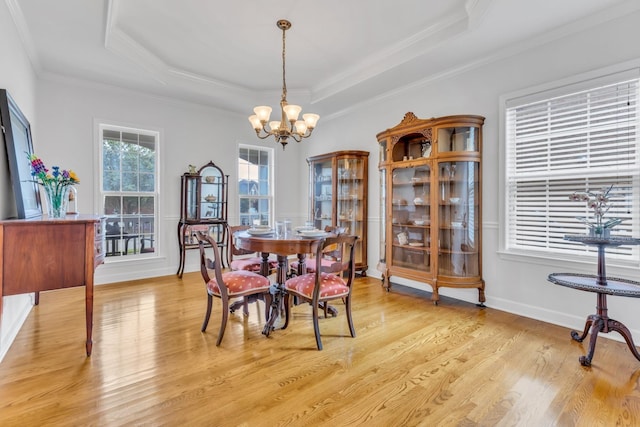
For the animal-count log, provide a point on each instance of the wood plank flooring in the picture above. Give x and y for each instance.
(411, 364)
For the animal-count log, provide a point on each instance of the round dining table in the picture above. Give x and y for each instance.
(282, 247)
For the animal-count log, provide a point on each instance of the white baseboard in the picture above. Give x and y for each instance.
(15, 311)
(533, 312)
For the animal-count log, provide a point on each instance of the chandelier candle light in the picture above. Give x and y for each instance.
(56, 185)
(289, 126)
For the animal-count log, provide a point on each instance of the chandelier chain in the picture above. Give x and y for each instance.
(284, 81)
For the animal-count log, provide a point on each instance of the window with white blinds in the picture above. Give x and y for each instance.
(580, 141)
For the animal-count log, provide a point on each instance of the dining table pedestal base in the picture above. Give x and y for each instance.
(277, 291)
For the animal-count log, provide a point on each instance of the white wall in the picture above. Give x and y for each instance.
(190, 134)
(20, 81)
(513, 284)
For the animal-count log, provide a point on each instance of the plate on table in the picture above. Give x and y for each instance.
(305, 228)
(312, 233)
(259, 231)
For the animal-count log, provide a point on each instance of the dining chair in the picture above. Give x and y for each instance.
(228, 285)
(240, 259)
(310, 262)
(326, 283)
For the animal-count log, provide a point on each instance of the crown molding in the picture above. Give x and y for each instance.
(23, 33)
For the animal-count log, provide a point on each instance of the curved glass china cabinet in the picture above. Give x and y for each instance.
(338, 196)
(431, 202)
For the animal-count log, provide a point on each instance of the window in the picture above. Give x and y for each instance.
(129, 190)
(255, 185)
(558, 143)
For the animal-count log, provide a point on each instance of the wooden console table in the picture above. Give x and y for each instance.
(42, 254)
(602, 286)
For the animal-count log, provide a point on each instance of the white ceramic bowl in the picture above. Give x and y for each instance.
(454, 200)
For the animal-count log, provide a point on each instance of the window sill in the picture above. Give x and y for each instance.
(615, 267)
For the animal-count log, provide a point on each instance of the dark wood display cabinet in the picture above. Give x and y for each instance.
(203, 207)
(431, 207)
(338, 196)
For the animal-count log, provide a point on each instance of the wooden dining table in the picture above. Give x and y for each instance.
(282, 247)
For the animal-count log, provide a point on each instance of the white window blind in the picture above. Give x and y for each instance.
(582, 141)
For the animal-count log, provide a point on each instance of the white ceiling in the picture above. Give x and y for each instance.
(227, 54)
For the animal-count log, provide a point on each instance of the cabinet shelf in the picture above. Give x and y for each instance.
(448, 251)
(450, 227)
(413, 248)
(446, 174)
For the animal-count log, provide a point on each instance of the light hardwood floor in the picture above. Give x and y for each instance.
(412, 363)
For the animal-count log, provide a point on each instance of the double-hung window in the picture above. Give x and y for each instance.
(255, 185)
(129, 190)
(579, 138)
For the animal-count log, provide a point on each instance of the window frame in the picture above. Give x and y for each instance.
(271, 181)
(626, 257)
(101, 127)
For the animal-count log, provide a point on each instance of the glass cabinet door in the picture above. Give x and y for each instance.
(322, 194)
(383, 151)
(411, 217)
(211, 193)
(383, 221)
(350, 199)
(462, 138)
(192, 188)
(458, 202)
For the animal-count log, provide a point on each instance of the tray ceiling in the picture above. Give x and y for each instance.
(227, 54)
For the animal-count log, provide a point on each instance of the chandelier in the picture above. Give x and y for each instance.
(289, 126)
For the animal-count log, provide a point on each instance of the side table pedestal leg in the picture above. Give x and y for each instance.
(598, 325)
(614, 325)
(574, 334)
